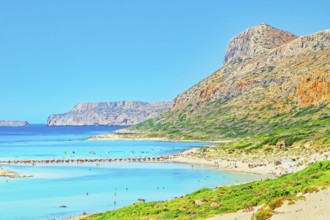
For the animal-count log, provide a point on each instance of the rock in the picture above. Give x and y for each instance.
(108, 113)
(198, 203)
(215, 205)
(221, 187)
(255, 41)
(13, 123)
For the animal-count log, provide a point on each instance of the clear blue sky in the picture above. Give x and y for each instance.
(56, 53)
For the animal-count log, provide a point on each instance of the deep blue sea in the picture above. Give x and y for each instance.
(90, 187)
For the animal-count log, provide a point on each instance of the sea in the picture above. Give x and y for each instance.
(60, 191)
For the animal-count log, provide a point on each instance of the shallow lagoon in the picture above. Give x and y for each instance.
(89, 187)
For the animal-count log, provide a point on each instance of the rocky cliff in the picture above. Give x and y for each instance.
(13, 123)
(256, 41)
(108, 113)
(285, 68)
(272, 83)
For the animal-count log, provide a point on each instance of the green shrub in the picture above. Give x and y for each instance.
(276, 203)
(263, 214)
(233, 198)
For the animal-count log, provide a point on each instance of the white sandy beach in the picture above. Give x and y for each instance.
(128, 135)
(249, 165)
(7, 173)
(315, 206)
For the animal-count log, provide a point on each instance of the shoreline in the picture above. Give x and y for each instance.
(115, 137)
(128, 135)
(11, 174)
(246, 165)
(7, 173)
(300, 208)
(189, 156)
(274, 165)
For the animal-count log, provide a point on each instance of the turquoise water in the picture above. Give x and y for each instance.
(42, 142)
(90, 187)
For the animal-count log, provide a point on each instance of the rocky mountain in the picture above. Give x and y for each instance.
(13, 123)
(108, 113)
(273, 85)
(256, 41)
(284, 63)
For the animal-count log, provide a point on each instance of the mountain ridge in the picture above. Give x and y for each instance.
(108, 113)
(283, 92)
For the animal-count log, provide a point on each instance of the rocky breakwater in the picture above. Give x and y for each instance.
(13, 123)
(109, 113)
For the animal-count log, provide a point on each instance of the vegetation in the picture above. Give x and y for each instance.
(260, 126)
(271, 193)
(284, 102)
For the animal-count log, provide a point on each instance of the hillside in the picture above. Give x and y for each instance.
(108, 113)
(261, 95)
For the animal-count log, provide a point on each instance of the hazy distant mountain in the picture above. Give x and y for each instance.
(109, 113)
(13, 123)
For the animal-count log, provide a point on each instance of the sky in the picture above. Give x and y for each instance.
(57, 53)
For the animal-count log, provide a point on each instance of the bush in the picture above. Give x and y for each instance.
(276, 203)
(290, 140)
(263, 214)
(269, 149)
(310, 189)
(271, 141)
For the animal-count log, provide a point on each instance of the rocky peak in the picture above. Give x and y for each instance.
(99, 106)
(255, 41)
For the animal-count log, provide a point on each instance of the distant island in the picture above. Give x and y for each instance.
(109, 113)
(13, 123)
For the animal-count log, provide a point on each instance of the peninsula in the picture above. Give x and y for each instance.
(109, 113)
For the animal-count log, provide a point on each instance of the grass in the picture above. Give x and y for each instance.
(260, 127)
(272, 193)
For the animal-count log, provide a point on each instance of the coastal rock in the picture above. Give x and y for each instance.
(109, 113)
(13, 123)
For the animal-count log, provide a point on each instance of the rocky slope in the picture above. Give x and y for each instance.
(272, 85)
(256, 41)
(108, 113)
(13, 123)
